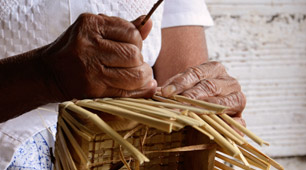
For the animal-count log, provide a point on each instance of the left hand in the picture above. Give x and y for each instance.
(209, 82)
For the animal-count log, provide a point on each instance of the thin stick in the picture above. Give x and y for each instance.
(218, 138)
(153, 111)
(211, 137)
(220, 129)
(255, 161)
(162, 99)
(73, 142)
(117, 111)
(222, 166)
(170, 105)
(185, 149)
(108, 130)
(250, 134)
(262, 156)
(203, 104)
(143, 22)
(226, 126)
(240, 154)
(64, 152)
(231, 161)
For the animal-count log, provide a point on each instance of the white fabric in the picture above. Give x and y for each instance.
(183, 12)
(28, 24)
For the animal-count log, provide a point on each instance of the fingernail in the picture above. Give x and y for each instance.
(168, 90)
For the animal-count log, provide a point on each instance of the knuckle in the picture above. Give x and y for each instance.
(142, 73)
(218, 66)
(86, 17)
(133, 53)
(209, 87)
(195, 73)
(130, 53)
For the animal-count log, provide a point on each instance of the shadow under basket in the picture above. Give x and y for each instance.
(81, 145)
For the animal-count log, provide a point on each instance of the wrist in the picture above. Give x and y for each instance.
(48, 77)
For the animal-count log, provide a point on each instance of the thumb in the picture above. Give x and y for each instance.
(145, 29)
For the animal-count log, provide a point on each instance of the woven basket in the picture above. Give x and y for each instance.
(77, 137)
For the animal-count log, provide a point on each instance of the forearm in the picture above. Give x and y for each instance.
(24, 85)
(182, 47)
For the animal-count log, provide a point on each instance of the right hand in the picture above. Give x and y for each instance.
(100, 56)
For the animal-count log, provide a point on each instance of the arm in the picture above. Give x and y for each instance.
(182, 47)
(97, 56)
(183, 68)
(24, 84)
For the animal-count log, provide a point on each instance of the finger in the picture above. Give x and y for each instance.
(118, 54)
(117, 29)
(146, 91)
(193, 76)
(127, 78)
(235, 101)
(146, 28)
(213, 87)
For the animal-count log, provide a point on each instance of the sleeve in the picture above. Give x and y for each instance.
(186, 12)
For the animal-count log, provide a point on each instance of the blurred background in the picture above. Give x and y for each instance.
(263, 44)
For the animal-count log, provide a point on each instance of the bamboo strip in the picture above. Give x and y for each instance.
(158, 97)
(58, 165)
(144, 119)
(153, 111)
(220, 129)
(250, 134)
(233, 162)
(108, 130)
(141, 109)
(160, 111)
(218, 138)
(67, 116)
(261, 155)
(73, 142)
(171, 105)
(211, 137)
(67, 161)
(185, 148)
(123, 159)
(177, 126)
(227, 127)
(82, 134)
(222, 166)
(240, 154)
(63, 163)
(203, 104)
(254, 161)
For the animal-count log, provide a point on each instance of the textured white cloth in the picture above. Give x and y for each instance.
(28, 24)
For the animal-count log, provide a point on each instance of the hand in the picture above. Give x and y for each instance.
(209, 82)
(100, 56)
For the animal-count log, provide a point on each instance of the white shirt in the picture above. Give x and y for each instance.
(28, 24)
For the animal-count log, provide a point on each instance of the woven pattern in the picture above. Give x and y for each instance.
(6, 6)
(104, 153)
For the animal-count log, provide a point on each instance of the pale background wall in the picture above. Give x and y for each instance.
(263, 44)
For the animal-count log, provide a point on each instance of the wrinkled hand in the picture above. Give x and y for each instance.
(209, 82)
(100, 56)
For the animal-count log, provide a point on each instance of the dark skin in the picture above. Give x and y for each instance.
(99, 56)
